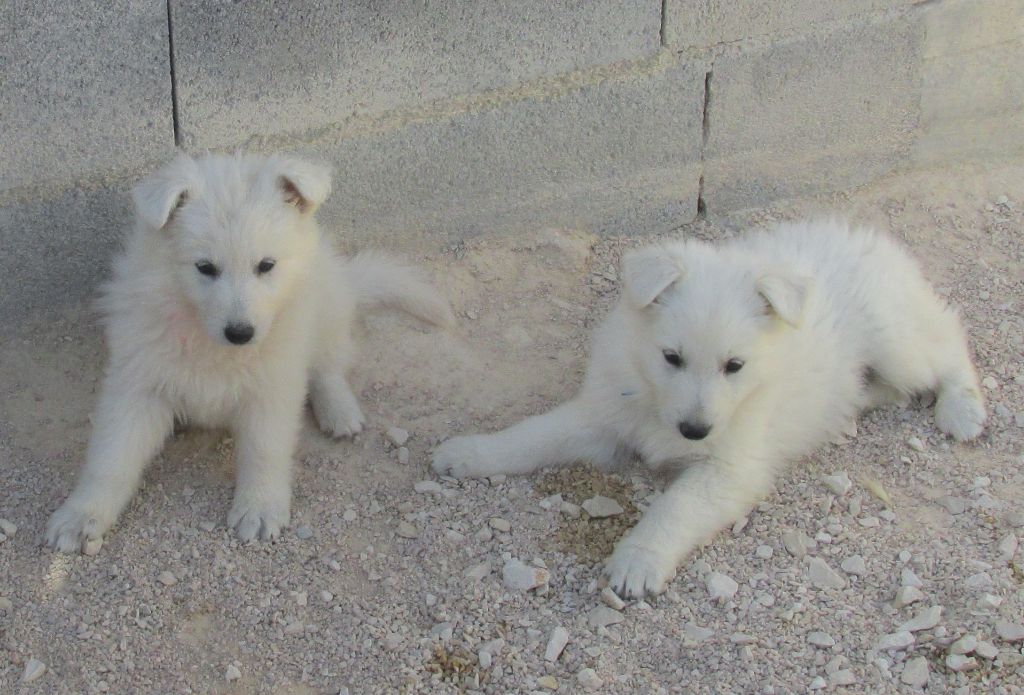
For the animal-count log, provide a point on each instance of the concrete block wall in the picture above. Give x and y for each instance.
(449, 118)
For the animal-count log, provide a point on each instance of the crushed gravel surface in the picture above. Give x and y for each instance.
(886, 562)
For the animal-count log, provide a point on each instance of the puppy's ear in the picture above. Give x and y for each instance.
(304, 185)
(647, 273)
(163, 192)
(784, 295)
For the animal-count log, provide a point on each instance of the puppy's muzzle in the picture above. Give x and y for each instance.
(239, 333)
(694, 430)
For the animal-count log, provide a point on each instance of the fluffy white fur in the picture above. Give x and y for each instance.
(170, 354)
(823, 322)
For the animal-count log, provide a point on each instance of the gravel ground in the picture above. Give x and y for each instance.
(885, 563)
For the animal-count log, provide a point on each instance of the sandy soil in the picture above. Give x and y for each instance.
(343, 603)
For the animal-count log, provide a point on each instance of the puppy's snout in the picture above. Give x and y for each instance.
(694, 430)
(239, 333)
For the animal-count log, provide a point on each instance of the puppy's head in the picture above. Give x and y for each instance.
(707, 323)
(236, 233)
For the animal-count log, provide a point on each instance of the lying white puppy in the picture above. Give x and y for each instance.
(725, 363)
(226, 304)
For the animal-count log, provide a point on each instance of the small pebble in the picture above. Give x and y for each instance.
(990, 383)
(519, 576)
(34, 669)
(916, 444)
(907, 595)
(548, 682)
(231, 673)
(839, 484)
(407, 530)
(92, 546)
(817, 683)
(823, 576)
(8, 528)
(908, 578)
(915, 673)
(478, 572)
(821, 639)
(499, 524)
(843, 676)
(295, 628)
(167, 578)
(764, 552)
(854, 565)
(403, 455)
(796, 543)
(397, 436)
(953, 505)
(925, 619)
(428, 487)
(326, 596)
(987, 650)
(556, 644)
(720, 586)
(959, 662)
(350, 515)
(964, 645)
(611, 599)
(1009, 632)
(869, 522)
(485, 659)
(5, 604)
(600, 507)
(588, 679)
(602, 616)
(896, 640)
(304, 533)
(989, 602)
(980, 581)
(1008, 547)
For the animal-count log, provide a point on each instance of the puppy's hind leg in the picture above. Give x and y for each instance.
(334, 403)
(562, 436)
(929, 353)
(129, 429)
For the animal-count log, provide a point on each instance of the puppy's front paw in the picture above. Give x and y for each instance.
(259, 516)
(960, 414)
(75, 524)
(463, 457)
(634, 571)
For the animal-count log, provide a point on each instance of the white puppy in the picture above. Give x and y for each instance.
(225, 305)
(723, 363)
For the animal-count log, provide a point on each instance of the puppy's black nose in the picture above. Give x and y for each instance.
(694, 430)
(239, 333)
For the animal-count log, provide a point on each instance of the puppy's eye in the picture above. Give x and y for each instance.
(265, 266)
(733, 365)
(208, 269)
(673, 358)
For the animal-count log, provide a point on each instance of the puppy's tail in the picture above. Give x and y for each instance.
(380, 280)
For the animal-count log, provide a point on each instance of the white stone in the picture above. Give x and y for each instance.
(600, 507)
(478, 571)
(916, 444)
(981, 581)
(519, 576)
(823, 576)
(839, 484)
(167, 578)
(854, 565)
(764, 552)
(428, 487)
(397, 436)
(987, 650)
(869, 522)
(92, 546)
(6, 604)
(817, 683)
(602, 616)
(990, 383)
(1009, 632)
(908, 578)
(350, 515)
(34, 669)
(8, 528)
(407, 530)
(485, 659)
(721, 586)
(588, 679)
(915, 673)
(821, 639)
(304, 533)
(231, 673)
(796, 543)
(843, 676)
(953, 505)
(500, 525)
(896, 640)
(695, 633)
(964, 645)
(959, 662)
(925, 619)
(403, 455)
(989, 602)
(611, 599)
(1008, 547)
(556, 644)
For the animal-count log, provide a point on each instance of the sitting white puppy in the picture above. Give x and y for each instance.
(726, 362)
(225, 305)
